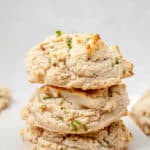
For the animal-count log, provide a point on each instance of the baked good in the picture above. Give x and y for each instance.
(75, 111)
(114, 137)
(140, 113)
(76, 61)
(4, 97)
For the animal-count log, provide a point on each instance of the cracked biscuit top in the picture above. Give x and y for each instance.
(76, 61)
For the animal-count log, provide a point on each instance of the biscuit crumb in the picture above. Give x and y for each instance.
(4, 97)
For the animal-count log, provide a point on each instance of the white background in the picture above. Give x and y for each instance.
(24, 23)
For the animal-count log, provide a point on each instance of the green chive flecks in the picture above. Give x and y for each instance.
(88, 38)
(59, 33)
(75, 124)
(46, 97)
(84, 127)
(74, 127)
(49, 60)
(69, 43)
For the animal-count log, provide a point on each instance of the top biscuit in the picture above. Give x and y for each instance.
(76, 61)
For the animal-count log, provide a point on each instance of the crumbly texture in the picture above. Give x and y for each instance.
(74, 111)
(76, 61)
(4, 97)
(140, 113)
(114, 137)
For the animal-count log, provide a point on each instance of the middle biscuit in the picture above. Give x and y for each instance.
(75, 111)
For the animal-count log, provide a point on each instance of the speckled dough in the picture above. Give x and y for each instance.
(75, 111)
(114, 137)
(76, 61)
(141, 113)
(4, 97)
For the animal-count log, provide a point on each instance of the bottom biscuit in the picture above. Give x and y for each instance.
(114, 137)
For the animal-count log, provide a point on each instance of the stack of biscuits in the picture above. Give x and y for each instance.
(82, 100)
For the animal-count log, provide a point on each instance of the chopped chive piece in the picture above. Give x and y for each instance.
(58, 32)
(75, 124)
(69, 43)
(84, 127)
(47, 97)
(88, 38)
(74, 127)
(49, 60)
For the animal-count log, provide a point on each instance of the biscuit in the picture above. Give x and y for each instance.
(140, 113)
(76, 61)
(74, 111)
(4, 97)
(114, 137)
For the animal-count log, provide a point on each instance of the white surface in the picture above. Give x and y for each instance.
(24, 23)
